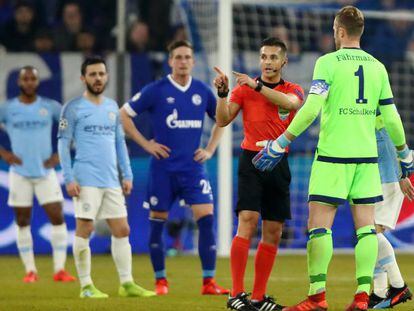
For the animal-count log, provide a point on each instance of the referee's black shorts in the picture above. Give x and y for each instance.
(264, 192)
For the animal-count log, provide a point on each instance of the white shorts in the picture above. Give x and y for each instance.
(100, 203)
(46, 189)
(387, 211)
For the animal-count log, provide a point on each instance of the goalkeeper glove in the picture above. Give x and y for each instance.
(269, 156)
(405, 157)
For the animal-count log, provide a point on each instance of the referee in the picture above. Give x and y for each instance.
(268, 104)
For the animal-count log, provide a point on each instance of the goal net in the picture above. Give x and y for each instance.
(306, 27)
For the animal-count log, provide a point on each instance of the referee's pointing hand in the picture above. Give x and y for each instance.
(221, 81)
(244, 79)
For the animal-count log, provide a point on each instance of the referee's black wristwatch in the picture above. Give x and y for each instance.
(259, 86)
(222, 94)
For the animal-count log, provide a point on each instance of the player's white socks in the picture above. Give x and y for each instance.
(380, 281)
(386, 259)
(25, 247)
(59, 241)
(121, 253)
(82, 256)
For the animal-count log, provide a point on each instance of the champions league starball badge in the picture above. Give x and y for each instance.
(63, 124)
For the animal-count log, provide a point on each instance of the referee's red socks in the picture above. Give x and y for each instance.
(239, 254)
(263, 264)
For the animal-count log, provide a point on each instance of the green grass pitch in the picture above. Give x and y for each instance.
(288, 283)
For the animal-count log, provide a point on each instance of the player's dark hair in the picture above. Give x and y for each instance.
(23, 3)
(91, 61)
(65, 4)
(272, 41)
(28, 67)
(352, 19)
(179, 43)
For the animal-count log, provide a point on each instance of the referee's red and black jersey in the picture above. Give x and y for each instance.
(263, 120)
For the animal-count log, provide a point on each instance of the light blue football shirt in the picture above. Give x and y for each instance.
(99, 141)
(387, 158)
(29, 127)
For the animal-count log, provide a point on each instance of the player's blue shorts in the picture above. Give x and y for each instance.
(387, 158)
(165, 187)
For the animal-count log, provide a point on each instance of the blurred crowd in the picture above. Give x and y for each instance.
(90, 27)
(85, 26)
(389, 37)
(389, 40)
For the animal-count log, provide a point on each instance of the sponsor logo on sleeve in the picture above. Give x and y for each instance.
(136, 97)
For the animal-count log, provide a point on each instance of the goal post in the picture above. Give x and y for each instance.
(225, 155)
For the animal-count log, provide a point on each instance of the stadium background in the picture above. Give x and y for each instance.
(305, 25)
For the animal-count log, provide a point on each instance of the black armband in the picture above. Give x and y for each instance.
(259, 86)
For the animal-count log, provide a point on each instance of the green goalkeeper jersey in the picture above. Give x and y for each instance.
(349, 85)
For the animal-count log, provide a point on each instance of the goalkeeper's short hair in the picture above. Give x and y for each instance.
(352, 19)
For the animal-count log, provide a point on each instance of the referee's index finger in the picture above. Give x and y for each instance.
(218, 70)
(236, 73)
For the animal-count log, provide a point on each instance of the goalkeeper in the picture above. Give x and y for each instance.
(268, 104)
(348, 85)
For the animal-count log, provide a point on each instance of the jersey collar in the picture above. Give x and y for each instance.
(28, 104)
(182, 88)
(271, 85)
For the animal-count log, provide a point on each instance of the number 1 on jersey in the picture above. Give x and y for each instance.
(360, 74)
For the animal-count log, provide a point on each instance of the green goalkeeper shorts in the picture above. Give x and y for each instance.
(336, 183)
